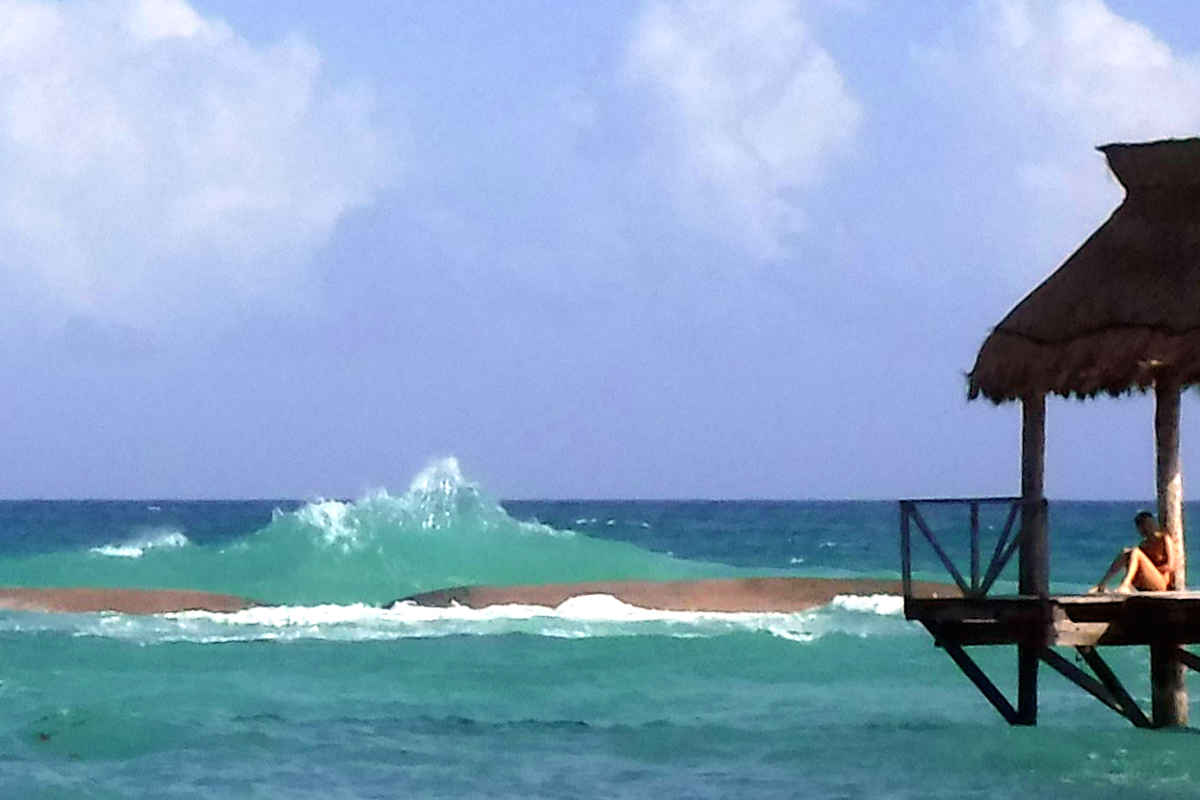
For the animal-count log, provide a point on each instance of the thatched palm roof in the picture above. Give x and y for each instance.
(1125, 307)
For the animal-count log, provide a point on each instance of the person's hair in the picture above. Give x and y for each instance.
(1141, 515)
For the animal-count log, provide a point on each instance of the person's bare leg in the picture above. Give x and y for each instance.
(1121, 562)
(1142, 573)
(1126, 584)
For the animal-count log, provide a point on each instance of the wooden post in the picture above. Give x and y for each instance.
(1168, 685)
(1169, 472)
(1168, 688)
(1034, 563)
(1035, 550)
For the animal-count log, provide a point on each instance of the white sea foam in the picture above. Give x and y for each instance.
(588, 616)
(889, 605)
(137, 546)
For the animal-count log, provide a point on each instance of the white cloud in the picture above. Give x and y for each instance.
(1059, 77)
(153, 163)
(752, 110)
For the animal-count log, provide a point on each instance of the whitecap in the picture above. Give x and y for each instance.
(165, 539)
(889, 605)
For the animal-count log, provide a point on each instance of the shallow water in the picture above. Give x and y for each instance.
(330, 696)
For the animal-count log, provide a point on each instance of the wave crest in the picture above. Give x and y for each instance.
(137, 547)
(443, 531)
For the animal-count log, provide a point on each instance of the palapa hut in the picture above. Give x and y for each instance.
(1124, 310)
(1122, 313)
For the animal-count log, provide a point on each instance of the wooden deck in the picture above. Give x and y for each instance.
(1165, 621)
(1036, 621)
(1088, 620)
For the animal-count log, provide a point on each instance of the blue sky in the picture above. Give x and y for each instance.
(639, 249)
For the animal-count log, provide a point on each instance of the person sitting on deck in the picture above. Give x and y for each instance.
(1150, 566)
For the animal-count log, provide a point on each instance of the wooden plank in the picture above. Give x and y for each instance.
(937, 548)
(1100, 598)
(1111, 682)
(1015, 609)
(1068, 621)
(982, 633)
(1076, 634)
(981, 681)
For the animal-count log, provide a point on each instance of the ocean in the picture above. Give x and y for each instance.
(328, 694)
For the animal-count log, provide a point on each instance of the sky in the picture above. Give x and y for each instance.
(651, 249)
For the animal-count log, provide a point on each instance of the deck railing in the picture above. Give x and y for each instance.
(1005, 545)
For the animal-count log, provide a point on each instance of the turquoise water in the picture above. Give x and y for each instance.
(331, 696)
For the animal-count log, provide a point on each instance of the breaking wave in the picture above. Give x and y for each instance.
(443, 531)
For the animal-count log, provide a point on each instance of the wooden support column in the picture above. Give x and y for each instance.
(1169, 471)
(1035, 550)
(1167, 681)
(1168, 688)
(1028, 656)
(1034, 563)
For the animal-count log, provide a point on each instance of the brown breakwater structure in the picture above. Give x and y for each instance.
(718, 594)
(125, 601)
(761, 595)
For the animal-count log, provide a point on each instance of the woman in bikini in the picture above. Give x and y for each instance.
(1150, 566)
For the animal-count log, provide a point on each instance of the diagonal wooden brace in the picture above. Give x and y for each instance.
(981, 681)
(1189, 659)
(1112, 683)
(1081, 679)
